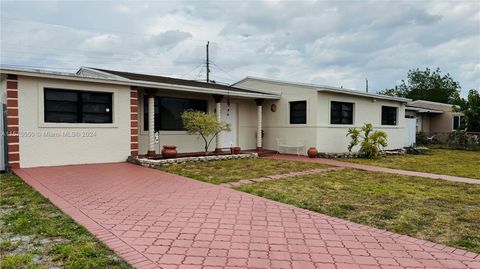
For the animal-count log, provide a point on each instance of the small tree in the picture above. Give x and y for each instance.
(370, 141)
(427, 85)
(204, 125)
(470, 107)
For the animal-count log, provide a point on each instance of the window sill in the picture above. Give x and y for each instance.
(342, 125)
(145, 133)
(77, 125)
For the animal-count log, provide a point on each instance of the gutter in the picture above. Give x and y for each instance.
(367, 95)
(323, 88)
(137, 84)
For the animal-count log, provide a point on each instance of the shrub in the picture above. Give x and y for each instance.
(421, 138)
(370, 141)
(463, 140)
(204, 125)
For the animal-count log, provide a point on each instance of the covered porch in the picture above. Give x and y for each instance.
(162, 109)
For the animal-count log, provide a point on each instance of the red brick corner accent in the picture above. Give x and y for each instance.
(133, 121)
(13, 138)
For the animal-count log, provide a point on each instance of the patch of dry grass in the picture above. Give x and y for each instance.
(223, 171)
(459, 163)
(36, 234)
(431, 209)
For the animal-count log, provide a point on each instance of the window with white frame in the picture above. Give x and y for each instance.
(457, 122)
(168, 112)
(298, 112)
(389, 115)
(73, 106)
(341, 113)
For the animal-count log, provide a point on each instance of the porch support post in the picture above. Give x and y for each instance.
(151, 121)
(218, 113)
(259, 103)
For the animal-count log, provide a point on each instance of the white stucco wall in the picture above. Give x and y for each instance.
(332, 137)
(246, 119)
(318, 132)
(277, 124)
(48, 144)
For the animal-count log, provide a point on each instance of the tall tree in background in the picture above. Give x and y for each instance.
(470, 108)
(427, 85)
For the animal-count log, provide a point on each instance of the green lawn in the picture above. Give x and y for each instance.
(223, 171)
(36, 234)
(436, 210)
(459, 163)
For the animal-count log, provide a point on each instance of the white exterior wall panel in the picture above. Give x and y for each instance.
(318, 132)
(49, 144)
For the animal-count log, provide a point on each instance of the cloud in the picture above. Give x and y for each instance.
(106, 43)
(170, 39)
(339, 43)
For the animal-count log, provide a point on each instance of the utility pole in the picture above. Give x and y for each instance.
(366, 84)
(208, 64)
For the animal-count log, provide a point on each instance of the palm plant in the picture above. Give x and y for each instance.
(371, 142)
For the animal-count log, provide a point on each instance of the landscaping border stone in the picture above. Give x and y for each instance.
(350, 155)
(152, 163)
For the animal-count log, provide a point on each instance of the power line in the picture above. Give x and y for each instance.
(114, 59)
(221, 69)
(36, 66)
(85, 28)
(72, 69)
(186, 74)
(199, 72)
(208, 64)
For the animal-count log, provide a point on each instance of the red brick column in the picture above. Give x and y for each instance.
(13, 138)
(133, 121)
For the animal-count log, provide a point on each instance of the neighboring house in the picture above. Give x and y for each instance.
(99, 116)
(433, 117)
(320, 116)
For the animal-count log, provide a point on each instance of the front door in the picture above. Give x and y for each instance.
(229, 115)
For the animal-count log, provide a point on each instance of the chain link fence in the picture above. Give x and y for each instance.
(454, 140)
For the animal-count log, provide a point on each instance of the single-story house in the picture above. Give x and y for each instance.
(320, 116)
(433, 117)
(99, 116)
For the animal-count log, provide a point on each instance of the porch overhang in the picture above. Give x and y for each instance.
(178, 88)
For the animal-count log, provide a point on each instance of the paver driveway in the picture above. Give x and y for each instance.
(157, 220)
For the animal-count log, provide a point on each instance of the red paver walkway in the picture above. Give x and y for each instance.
(372, 168)
(158, 220)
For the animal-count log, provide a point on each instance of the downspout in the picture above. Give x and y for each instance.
(5, 134)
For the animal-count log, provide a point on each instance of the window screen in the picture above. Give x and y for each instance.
(298, 112)
(341, 113)
(71, 106)
(389, 115)
(168, 112)
(456, 122)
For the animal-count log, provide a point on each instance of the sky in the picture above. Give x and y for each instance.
(335, 43)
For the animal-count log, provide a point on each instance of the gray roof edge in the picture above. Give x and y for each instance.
(325, 88)
(74, 76)
(431, 102)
